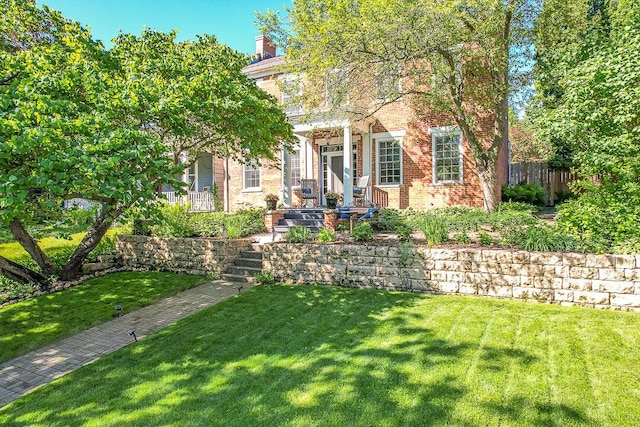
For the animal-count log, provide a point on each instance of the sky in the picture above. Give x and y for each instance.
(231, 21)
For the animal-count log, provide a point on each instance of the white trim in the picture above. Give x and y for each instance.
(446, 131)
(399, 142)
(394, 134)
(246, 189)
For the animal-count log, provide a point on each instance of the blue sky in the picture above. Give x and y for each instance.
(231, 21)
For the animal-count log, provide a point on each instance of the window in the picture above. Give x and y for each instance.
(294, 162)
(251, 176)
(387, 82)
(389, 162)
(447, 155)
(337, 94)
(290, 92)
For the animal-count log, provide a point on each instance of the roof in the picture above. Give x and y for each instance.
(264, 65)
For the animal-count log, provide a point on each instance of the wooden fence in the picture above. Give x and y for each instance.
(553, 181)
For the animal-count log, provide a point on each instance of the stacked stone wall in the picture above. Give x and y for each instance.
(181, 255)
(600, 281)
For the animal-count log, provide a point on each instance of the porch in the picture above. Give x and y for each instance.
(199, 201)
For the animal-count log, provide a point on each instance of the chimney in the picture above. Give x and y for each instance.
(264, 48)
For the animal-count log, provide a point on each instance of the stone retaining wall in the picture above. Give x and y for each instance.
(181, 255)
(601, 281)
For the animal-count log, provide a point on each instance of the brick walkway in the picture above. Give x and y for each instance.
(26, 373)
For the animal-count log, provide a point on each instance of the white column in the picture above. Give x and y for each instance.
(348, 167)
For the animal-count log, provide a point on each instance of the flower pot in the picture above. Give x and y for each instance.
(332, 203)
(271, 204)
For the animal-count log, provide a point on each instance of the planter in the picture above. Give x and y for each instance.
(332, 203)
(271, 204)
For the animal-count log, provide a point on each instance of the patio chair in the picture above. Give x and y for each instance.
(360, 190)
(309, 191)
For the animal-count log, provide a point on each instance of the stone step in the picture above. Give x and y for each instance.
(305, 222)
(243, 270)
(237, 278)
(251, 255)
(305, 216)
(248, 262)
(285, 228)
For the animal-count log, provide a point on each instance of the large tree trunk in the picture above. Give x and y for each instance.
(20, 273)
(71, 269)
(32, 247)
(488, 180)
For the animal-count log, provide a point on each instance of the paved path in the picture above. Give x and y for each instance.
(26, 373)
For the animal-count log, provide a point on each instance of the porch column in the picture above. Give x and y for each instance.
(348, 167)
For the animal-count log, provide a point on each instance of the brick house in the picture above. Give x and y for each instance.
(413, 160)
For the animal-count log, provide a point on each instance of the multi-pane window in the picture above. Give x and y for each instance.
(447, 162)
(294, 161)
(337, 94)
(291, 90)
(389, 162)
(251, 176)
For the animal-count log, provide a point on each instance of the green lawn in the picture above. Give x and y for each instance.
(31, 324)
(296, 356)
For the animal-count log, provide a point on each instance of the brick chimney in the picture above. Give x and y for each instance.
(264, 48)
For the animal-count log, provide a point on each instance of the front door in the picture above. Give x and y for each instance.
(335, 174)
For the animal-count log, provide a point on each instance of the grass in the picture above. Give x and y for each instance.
(304, 356)
(33, 323)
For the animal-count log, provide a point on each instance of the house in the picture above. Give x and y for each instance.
(418, 161)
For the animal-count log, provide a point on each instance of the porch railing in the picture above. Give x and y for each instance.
(199, 201)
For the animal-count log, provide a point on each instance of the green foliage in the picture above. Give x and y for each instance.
(326, 235)
(532, 194)
(434, 228)
(541, 238)
(485, 238)
(388, 220)
(244, 222)
(406, 254)
(265, 277)
(403, 232)
(462, 238)
(107, 246)
(298, 234)
(510, 206)
(173, 221)
(362, 232)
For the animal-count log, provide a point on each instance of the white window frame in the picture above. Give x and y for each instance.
(291, 107)
(453, 131)
(297, 151)
(254, 167)
(329, 91)
(380, 141)
(193, 186)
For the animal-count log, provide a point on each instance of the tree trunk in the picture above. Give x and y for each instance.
(31, 246)
(487, 175)
(71, 269)
(20, 273)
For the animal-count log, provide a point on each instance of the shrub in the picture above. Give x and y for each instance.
(298, 234)
(326, 235)
(388, 220)
(244, 223)
(434, 229)
(485, 238)
(527, 193)
(107, 246)
(510, 206)
(462, 238)
(173, 221)
(404, 232)
(542, 238)
(362, 232)
(265, 278)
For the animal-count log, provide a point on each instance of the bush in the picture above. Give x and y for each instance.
(485, 238)
(298, 234)
(462, 238)
(326, 235)
(265, 278)
(173, 221)
(388, 220)
(362, 232)
(244, 223)
(526, 193)
(434, 229)
(542, 238)
(404, 232)
(107, 246)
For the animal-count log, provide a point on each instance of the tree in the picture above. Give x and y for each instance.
(453, 57)
(598, 112)
(193, 96)
(77, 120)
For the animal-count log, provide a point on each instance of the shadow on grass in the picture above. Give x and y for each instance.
(285, 356)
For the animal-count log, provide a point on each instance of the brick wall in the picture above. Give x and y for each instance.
(600, 281)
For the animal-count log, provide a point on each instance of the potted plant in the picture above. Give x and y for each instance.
(272, 201)
(332, 200)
